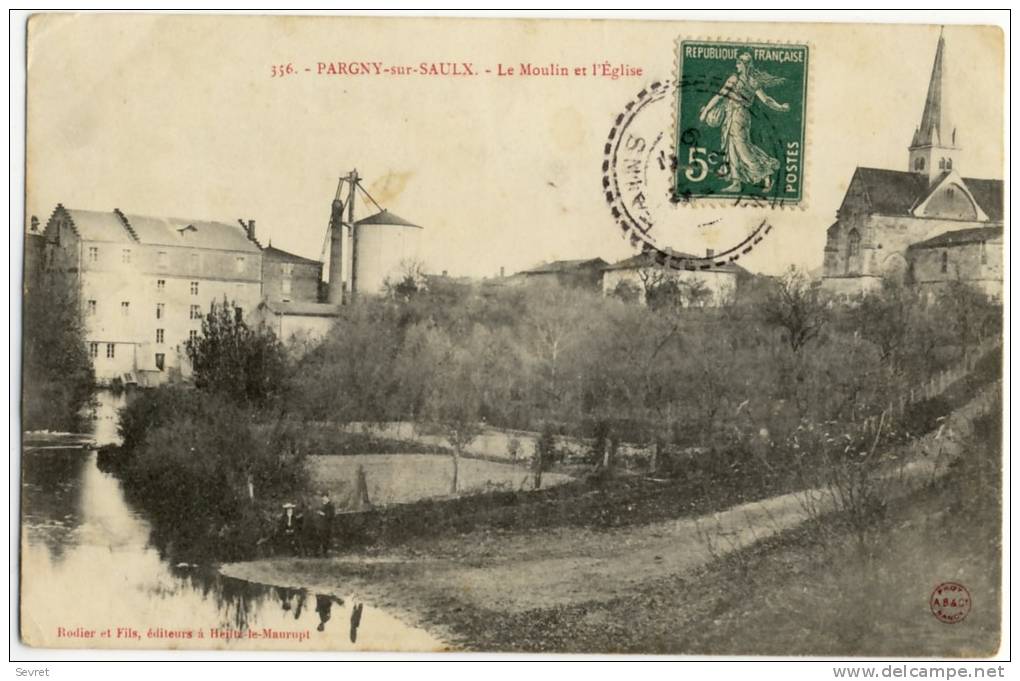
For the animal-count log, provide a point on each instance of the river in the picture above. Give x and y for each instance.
(92, 579)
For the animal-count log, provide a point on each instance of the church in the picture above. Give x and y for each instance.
(927, 225)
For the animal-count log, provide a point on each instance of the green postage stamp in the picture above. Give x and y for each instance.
(740, 121)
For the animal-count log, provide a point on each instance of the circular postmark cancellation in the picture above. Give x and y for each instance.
(950, 602)
(684, 154)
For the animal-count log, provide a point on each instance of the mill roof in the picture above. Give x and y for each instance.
(94, 225)
(896, 192)
(384, 217)
(193, 233)
(958, 237)
(115, 226)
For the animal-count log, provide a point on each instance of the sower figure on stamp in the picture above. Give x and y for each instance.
(730, 108)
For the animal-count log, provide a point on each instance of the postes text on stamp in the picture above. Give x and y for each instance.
(740, 121)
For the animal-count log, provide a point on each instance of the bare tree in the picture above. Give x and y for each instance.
(795, 305)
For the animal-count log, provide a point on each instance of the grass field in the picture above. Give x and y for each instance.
(403, 478)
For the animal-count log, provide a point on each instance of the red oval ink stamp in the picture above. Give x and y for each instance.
(950, 602)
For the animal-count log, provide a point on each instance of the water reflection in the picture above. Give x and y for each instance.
(91, 578)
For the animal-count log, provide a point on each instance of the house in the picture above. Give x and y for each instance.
(583, 274)
(889, 217)
(700, 287)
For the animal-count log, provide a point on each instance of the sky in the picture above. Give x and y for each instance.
(180, 116)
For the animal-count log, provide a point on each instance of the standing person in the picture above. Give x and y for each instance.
(327, 512)
(290, 527)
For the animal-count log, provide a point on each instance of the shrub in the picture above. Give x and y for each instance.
(208, 475)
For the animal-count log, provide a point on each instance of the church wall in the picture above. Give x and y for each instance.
(963, 262)
(951, 202)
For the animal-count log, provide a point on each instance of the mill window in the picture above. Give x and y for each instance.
(125, 308)
(110, 350)
(160, 284)
(945, 261)
(194, 288)
(93, 254)
(93, 350)
(160, 360)
(159, 310)
(90, 307)
(159, 336)
(125, 255)
(195, 312)
(193, 335)
(984, 253)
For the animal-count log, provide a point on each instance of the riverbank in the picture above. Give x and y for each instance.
(748, 580)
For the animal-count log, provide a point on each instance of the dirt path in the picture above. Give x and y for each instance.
(517, 572)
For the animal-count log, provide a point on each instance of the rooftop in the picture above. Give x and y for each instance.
(642, 260)
(118, 227)
(281, 255)
(384, 217)
(897, 192)
(958, 237)
(564, 266)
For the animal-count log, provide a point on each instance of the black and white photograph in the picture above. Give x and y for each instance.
(545, 336)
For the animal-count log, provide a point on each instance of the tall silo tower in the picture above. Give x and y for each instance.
(382, 244)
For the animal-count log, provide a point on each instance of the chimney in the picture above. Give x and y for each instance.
(35, 224)
(335, 292)
(248, 227)
(709, 252)
(502, 271)
(444, 273)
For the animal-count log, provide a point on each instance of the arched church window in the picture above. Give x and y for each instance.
(945, 261)
(949, 164)
(853, 243)
(942, 164)
(919, 163)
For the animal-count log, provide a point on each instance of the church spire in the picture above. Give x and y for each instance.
(936, 129)
(934, 144)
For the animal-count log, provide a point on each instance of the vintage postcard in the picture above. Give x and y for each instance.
(512, 335)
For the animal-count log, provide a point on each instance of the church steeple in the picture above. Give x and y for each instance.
(934, 147)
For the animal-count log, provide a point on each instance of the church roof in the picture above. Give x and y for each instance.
(958, 237)
(896, 192)
(936, 129)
